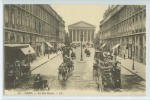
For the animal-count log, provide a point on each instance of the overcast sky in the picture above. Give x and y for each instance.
(71, 14)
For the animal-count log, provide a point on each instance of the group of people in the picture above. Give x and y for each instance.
(106, 62)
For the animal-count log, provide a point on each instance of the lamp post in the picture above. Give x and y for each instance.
(81, 47)
(133, 56)
(48, 53)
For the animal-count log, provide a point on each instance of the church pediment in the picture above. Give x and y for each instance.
(81, 24)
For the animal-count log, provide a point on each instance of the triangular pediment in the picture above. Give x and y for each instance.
(81, 24)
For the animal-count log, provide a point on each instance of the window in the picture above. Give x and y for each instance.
(27, 20)
(13, 16)
(18, 16)
(6, 36)
(6, 14)
(12, 38)
(22, 18)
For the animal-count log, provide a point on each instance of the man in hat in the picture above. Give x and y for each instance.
(115, 71)
(37, 81)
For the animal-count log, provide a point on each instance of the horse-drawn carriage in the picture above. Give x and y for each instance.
(66, 67)
(107, 74)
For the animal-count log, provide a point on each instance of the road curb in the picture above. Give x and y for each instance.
(45, 62)
(133, 72)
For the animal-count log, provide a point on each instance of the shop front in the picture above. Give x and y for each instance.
(48, 48)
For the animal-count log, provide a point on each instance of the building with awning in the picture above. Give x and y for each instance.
(131, 34)
(15, 52)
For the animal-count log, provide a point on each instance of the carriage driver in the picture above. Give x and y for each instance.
(116, 75)
(37, 81)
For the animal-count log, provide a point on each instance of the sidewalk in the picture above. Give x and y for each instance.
(42, 59)
(140, 69)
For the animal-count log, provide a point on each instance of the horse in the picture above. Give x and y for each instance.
(62, 71)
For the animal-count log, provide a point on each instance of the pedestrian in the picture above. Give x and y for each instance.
(44, 53)
(124, 56)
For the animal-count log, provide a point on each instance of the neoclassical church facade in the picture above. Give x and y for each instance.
(84, 28)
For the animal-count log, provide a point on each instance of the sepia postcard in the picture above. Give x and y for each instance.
(74, 50)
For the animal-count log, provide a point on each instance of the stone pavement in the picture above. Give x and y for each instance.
(42, 59)
(140, 69)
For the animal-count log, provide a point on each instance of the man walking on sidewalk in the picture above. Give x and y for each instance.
(124, 56)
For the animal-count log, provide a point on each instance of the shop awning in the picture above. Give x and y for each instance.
(49, 44)
(103, 45)
(28, 50)
(16, 45)
(116, 46)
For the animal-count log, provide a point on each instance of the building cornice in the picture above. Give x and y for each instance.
(10, 29)
(117, 9)
(140, 33)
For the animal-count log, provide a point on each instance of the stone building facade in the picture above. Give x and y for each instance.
(33, 24)
(76, 29)
(125, 25)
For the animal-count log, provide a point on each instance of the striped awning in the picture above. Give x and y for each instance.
(116, 46)
(49, 44)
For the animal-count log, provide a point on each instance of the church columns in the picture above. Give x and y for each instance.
(75, 35)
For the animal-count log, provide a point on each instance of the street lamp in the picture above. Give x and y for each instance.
(81, 47)
(133, 56)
